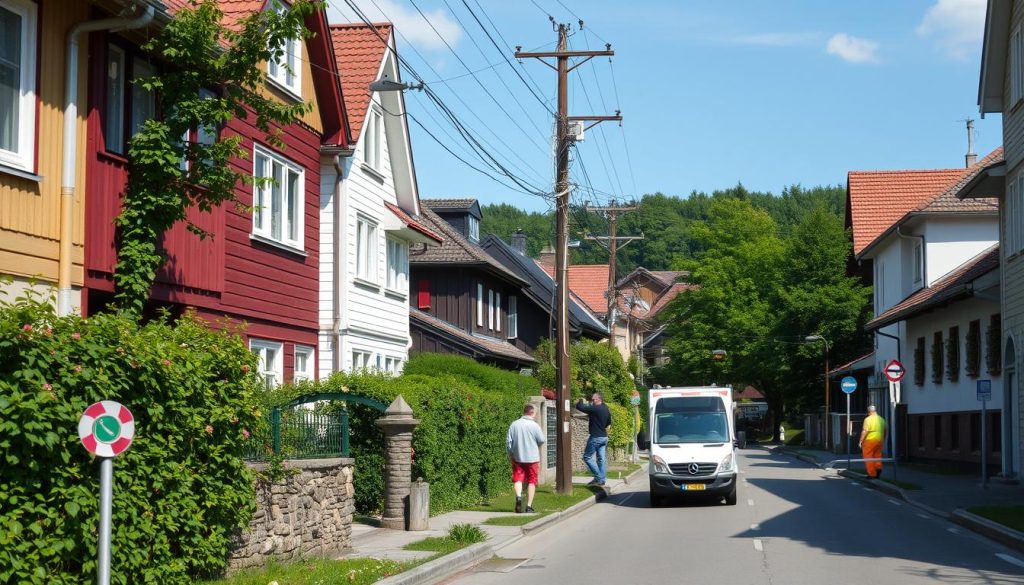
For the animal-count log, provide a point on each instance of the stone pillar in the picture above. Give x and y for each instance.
(397, 424)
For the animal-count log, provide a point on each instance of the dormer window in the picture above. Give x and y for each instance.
(284, 71)
(474, 229)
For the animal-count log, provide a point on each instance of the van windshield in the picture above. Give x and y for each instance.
(692, 419)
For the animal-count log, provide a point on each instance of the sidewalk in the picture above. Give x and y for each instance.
(942, 494)
(379, 543)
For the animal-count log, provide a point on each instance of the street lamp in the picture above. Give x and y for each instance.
(385, 84)
(828, 434)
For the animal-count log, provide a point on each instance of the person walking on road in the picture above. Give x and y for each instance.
(597, 443)
(872, 437)
(523, 443)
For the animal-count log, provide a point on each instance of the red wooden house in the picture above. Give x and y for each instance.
(259, 267)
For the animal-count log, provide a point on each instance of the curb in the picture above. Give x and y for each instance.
(989, 529)
(542, 523)
(445, 566)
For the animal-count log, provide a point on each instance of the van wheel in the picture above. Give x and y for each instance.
(730, 498)
(655, 500)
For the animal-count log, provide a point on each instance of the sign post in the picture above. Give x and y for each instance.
(106, 430)
(984, 395)
(848, 385)
(894, 371)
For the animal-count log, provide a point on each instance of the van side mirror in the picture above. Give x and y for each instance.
(642, 441)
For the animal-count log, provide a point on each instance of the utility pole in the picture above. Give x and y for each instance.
(563, 483)
(612, 212)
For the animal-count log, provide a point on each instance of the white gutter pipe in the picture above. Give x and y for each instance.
(70, 140)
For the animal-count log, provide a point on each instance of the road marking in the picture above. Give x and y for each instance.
(750, 502)
(953, 530)
(925, 516)
(755, 527)
(623, 502)
(1008, 558)
(894, 502)
(759, 546)
(855, 483)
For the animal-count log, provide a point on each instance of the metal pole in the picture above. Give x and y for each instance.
(984, 444)
(564, 476)
(849, 432)
(106, 495)
(894, 389)
(828, 398)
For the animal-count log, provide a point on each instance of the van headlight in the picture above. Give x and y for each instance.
(659, 464)
(727, 464)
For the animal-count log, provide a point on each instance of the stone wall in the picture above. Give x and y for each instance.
(307, 513)
(580, 434)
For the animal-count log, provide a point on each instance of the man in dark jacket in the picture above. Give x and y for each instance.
(597, 444)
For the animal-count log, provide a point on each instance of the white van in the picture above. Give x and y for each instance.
(691, 443)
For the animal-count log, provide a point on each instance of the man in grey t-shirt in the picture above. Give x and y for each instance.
(523, 443)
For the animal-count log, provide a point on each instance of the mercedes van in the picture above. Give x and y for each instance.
(690, 438)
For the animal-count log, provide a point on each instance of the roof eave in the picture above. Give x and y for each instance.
(993, 57)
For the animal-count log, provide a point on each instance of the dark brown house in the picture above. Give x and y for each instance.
(464, 301)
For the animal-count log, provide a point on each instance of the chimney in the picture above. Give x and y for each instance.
(971, 157)
(547, 255)
(519, 242)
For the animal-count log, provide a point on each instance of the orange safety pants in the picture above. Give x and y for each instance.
(872, 449)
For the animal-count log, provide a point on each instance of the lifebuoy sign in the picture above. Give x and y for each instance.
(106, 429)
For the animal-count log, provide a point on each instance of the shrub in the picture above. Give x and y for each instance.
(595, 367)
(466, 533)
(620, 434)
(469, 370)
(179, 492)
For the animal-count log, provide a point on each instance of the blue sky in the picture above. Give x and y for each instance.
(713, 93)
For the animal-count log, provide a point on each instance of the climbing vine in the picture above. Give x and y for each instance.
(214, 74)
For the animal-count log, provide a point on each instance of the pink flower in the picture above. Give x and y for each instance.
(245, 368)
(166, 362)
(78, 369)
(245, 433)
(47, 387)
(76, 336)
(48, 331)
(26, 327)
(209, 430)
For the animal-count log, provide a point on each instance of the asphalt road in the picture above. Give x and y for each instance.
(794, 524)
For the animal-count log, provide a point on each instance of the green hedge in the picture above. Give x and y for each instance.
(179, 492)
(469, 370)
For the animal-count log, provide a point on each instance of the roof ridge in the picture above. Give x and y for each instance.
(904, 171)
(342, 25)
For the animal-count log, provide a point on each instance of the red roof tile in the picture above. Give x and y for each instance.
(359, 51)
(412, 223)
(234, 10)
(949, 288)
(589, 282)
(667, 296)
(877, 199)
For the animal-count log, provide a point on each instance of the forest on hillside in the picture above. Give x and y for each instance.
(667, 223)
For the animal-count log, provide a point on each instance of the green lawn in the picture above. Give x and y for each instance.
(545, 502)
(517, 520)
(314, 572)
(621, 470)
(1012, 516)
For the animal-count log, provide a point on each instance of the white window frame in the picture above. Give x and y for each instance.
(373, 138)
(490, 309)
(367, 237)
(479, 304)
(1016, 67)
(497, 311)
(513, 317)
(473, 228)
(23, 155)
(361, 360)
(310, 355)
(393, 365)
(275, 369)
(918, 257)
(398, 266)
(265, 163)
(286, 72)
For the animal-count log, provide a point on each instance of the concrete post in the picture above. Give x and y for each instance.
(397, 424)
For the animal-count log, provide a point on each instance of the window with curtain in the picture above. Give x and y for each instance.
(279, 202)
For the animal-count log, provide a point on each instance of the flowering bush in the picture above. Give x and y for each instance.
(182, 488)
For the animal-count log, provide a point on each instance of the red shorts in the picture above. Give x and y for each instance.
(525, 472)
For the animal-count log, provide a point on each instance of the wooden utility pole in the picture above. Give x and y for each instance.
(612, 212)
(562, 55)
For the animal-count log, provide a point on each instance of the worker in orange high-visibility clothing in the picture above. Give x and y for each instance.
(872, 437)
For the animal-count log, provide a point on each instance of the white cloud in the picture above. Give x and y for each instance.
(409, 23)
(957, 25)
(774, 39)
(852, 49)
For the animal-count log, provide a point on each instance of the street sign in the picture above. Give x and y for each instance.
(984, 390)
(848, 384)
(895, 371)
(106, 429)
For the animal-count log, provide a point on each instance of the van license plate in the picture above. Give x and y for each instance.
(693, 487)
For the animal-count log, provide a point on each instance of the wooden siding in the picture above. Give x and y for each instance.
(30, 210)
(312, 117)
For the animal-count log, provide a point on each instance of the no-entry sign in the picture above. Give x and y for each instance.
(106, 429)
(895, 371)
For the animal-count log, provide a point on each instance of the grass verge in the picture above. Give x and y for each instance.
(623, 470)
(357, 571)
(545, 502)
(517, 520)
(1012, 516)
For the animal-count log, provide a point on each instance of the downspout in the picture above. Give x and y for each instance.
(70, 143)
(339, 322)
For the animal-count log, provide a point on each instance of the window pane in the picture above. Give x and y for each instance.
(275, 202)
(294, 213)
(143, 102)
(291, 58)
(114, 128)
(10, 78)
(260, 194)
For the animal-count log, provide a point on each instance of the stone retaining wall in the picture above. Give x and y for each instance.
(307, 513)
(580, 434)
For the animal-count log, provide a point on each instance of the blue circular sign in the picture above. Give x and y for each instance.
(848, 384)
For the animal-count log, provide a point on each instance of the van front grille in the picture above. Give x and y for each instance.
(684, 468)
